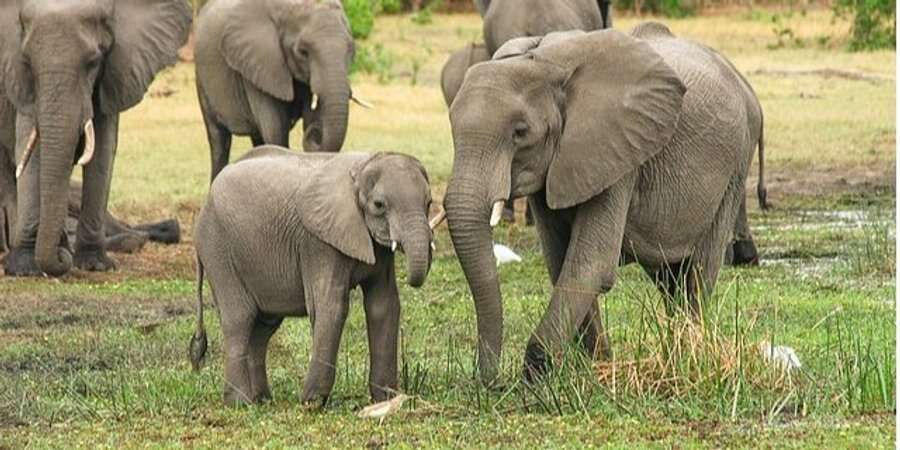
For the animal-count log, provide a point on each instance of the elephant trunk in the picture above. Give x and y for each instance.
(59, 118)
(334, 109)
(417, 246)
(468, 206)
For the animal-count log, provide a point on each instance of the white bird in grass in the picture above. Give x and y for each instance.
(783, 356)
(504, 254)
(383, 409)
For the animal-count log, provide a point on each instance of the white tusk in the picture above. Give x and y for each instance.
(361, 102)
(29, 149)
(393, 246)
(497, 212)
(88, 154)
(433, 247)
(436, 220)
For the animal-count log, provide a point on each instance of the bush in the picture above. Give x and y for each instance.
(874, 23)
(668, 8)
(361, 14)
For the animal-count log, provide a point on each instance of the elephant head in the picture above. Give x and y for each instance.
(353, 200)
(65, 62)
(272, 43)
(566, 115)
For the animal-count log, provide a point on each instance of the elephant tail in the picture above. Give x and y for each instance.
(197, 348)
(761, 191)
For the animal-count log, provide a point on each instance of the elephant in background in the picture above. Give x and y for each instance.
(285, 234)
(456, 66)
(510, 19)
(660, 183)
(261, 63)
(68, 70)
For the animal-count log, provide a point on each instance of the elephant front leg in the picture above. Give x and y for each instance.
(589, 269)
(20, 261)
(382, 303)
(329, 301)
(90, 242)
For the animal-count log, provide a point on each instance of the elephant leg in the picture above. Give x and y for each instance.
(588, 270)
(20, 261)
(382, 304)
(262, 331)
(554, 228)
(238, 387)
(257, 140)
(219, 139)
(90, 242)
(742, 249)
(710, 251)
(329, 299)
(166, 231)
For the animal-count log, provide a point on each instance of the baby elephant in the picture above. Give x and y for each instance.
(286, 234)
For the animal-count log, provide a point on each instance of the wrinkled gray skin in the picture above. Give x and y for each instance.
(63, 64)
(259, 64)
(285, 234)
(660, 183)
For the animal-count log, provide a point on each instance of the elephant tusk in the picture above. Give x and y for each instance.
(29, 149)
(361, 102)
(393, 246)
(436, 220)
(497, 212)
(433, 247)
(88, 154)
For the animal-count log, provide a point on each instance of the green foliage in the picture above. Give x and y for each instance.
(389, 6)
(874, 23)
(374, 60)
(668, 8)
(361, 14)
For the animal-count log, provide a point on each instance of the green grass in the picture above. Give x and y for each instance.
(100, 360)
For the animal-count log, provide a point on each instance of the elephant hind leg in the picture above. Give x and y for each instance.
(742, 249)
(263, 329)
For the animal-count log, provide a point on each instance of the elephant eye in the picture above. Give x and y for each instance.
(378, 205)
(520, 130)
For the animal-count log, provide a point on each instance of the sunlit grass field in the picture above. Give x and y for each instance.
(100, 360)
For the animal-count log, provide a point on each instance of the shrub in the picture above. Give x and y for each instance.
(361, 14)
(874, 23)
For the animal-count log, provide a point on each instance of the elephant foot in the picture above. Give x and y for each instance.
(93, 259)
(20, 262)
(743, 253)
(234, 397)
(537, 363)
(126, 242)
(313, 400)
(167, 231)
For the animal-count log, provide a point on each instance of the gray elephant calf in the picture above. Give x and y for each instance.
(286, 234)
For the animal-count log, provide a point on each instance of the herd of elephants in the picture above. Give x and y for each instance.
(630, 146)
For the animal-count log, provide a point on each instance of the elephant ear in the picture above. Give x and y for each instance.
(522, 45)
(147, 35)
(622, 107)
(330, 210)
(251, 46)
(15, 81)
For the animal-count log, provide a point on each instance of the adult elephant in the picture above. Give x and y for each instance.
(260, 63)
(660, 183)
(69, 69)
(510, 19)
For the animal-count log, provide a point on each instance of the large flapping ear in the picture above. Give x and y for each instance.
(622, 107)
(251, 45)
(147, 35)
(516, 47)
(329, 208)
(15, 81)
